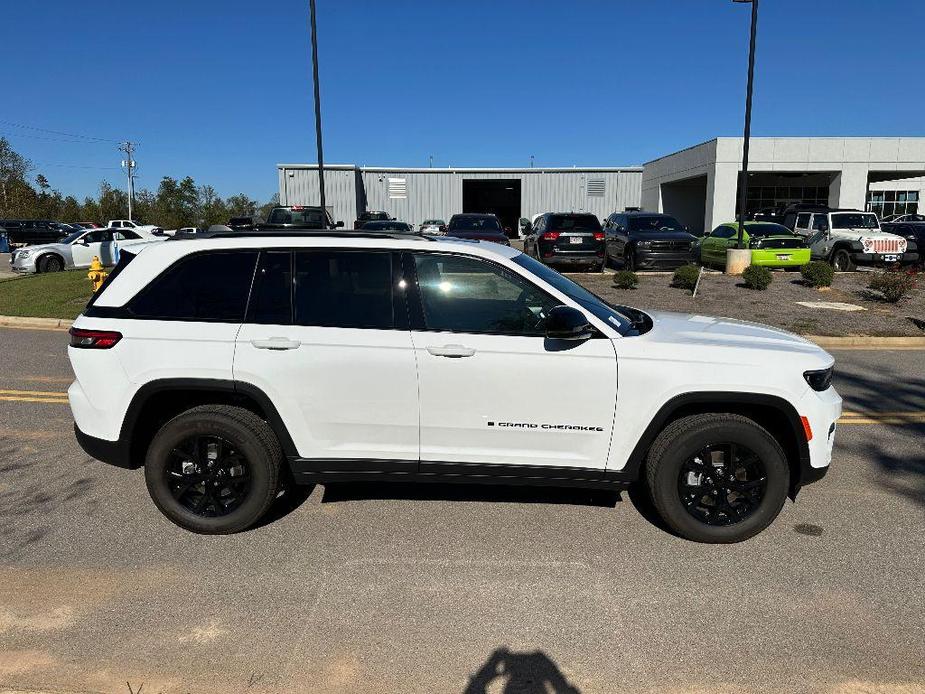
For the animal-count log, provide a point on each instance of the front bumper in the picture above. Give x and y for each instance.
(881, 259)
(661, 260)
(822, 410)
(22, 265)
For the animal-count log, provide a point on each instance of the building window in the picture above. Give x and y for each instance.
(764, 197)
(596, 187)
(398, 188)
(891, 203)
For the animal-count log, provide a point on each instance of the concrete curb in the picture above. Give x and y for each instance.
(35, 323)
(861, 342)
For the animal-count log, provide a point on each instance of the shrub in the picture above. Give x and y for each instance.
(893, 285)
(685, 277)
(818, 274)
(625, 279)
(756, 277)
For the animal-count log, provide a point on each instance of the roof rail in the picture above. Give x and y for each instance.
(303, 233)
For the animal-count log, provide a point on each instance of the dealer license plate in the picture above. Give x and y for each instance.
(890, 258)
(783, 256)
(574, 239)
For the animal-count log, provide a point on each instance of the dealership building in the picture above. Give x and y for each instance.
(697, 185)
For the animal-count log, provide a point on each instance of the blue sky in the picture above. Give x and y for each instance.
(221, 89)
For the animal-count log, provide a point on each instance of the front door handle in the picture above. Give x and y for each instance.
(276, 343)
(452, 351)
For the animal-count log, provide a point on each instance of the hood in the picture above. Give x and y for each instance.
(38, 247)
(477, 235)
(688, 330)
(662, 236)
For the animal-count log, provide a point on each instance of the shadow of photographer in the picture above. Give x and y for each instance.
(519, 673)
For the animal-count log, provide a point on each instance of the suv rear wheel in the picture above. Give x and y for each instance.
(214, 469)
(717, 477)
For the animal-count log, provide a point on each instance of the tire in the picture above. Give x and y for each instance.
(243, 438)
(841, 261)
(629, 261)
(670, 478)
(51, 263)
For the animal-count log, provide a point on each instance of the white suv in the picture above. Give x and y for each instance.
(232, 365)
(848, 238)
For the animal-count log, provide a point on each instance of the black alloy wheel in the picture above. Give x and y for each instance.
(208, 476)
(722, 484)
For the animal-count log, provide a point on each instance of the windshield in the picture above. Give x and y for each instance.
(387, 226)
(654, 224)
(592, 302)
(307, 217)
(574, 222)
(73, 236)
(767, 229)
(474, 224)
(854, 220)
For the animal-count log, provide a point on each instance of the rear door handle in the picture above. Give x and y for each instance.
(452, 351)
(276, 343)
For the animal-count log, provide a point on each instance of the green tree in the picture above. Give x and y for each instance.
(113, 203)
(265, 208)
(212, 208)
(240, 205)
(13, 170)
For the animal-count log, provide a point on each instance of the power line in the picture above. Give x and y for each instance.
(57, 132)
(77, 166)
(56, 139)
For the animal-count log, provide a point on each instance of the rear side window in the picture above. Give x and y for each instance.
(803, 220)
(271, 299)
(343, 289)
(203, 287)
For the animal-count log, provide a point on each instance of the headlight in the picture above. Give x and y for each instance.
(820, 380)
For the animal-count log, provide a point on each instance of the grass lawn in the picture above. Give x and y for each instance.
(52, 295)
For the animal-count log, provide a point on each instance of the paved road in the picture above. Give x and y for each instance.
(443, 589)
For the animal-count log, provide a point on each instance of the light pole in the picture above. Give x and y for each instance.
(743, 176)
(311, 5)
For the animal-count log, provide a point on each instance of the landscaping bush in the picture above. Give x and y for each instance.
(818, 274)
(893, 285)
(625, 279)
(685, 277)
(757, 277)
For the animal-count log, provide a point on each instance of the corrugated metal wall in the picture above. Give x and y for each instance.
(437, 193)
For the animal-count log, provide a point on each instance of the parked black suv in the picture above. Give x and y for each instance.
(28, 231)
(371, 216)
(647, 241)
(566, 239)
(245, 223)
(295, 217)
(914, 232)
(477, 227)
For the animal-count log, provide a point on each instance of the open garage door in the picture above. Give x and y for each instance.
(500, 197)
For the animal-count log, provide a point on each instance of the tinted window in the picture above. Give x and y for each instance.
(308, 218)
(724, 232)
(803, 220)
(343, 289)
(474, 224)
(467, 295)
(766, 229)
(654, 224)
(206, 287)
(820, 222)
(98, 236)
(854, 220)
(271, 298)
(576, 222)
(387, 226)
(125, 235)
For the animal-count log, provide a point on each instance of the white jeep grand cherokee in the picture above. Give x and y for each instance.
(233, 365)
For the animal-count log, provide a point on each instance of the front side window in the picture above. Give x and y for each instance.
(209, 287)
(343, 289)
(820, 222)
(467, 295)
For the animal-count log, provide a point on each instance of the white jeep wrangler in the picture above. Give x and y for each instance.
(234, 365)
(848, 238)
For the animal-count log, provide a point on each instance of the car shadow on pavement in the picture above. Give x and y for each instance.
(291, 498)
(521, 672)
(438, 491)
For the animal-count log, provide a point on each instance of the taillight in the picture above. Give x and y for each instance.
(93, 339)
(550, 235)
(598, 235)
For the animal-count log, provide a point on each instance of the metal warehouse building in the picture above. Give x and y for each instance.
(698, 185)
(413, 195)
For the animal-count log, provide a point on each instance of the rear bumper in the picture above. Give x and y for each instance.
(661, 260)
(110, 452)
(769, 258)
(552, 254)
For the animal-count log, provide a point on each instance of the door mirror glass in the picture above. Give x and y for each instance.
(567, 323)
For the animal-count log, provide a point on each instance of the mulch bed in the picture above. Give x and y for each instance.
(722, 295)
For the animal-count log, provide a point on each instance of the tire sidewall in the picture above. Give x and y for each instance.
(260, 469)
(665, 491)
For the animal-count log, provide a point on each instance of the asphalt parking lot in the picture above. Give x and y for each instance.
(356, 588)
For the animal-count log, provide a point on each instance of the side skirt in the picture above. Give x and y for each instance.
(311, 471)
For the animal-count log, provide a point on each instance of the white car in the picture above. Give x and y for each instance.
(234, 363)
(76, 251)
(436, 227)
(848, 238)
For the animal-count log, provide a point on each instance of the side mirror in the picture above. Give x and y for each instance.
(567, 323)
(338, 225)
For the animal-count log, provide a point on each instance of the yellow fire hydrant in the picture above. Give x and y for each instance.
(96, 274)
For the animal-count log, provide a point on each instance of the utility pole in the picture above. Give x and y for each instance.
(743, 180)
(129, 164)
(311, 5)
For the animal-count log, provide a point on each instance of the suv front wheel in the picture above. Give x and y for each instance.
(717, 477)
(214, 469)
